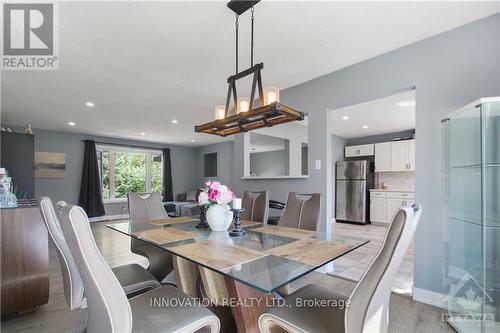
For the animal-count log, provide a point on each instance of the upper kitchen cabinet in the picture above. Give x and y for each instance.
(395, 156)
(403, 155)
(383, 157)
(360, 150)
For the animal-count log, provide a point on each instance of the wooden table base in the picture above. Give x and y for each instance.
(252, 303)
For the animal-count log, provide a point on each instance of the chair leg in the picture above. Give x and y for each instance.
(160, 261)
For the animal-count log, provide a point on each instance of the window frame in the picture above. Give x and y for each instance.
(149, 153)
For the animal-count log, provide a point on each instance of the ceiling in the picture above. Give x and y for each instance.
(144, 64)
(379, 116)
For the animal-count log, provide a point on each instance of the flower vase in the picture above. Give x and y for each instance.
(219, 217)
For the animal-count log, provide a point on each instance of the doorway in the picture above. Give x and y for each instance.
(377, 137)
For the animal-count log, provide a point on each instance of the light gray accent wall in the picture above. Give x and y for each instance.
(449, 70)
(338, 144)
(68, 189)
(270, 163)
(379, 138)
(225, 157)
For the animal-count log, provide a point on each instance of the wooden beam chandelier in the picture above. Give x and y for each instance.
(247, 116)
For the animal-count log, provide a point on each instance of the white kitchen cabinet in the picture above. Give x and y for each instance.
(383, 205)
(359, 150)
(403, 155)
(383, 157)
(378, 210)
(392, 207)
(411, 155)
(366, 150)
(350, 151)
(399, 153)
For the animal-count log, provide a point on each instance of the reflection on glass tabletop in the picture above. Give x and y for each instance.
(266, 258)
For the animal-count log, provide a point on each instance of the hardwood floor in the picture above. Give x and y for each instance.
(352, 265)
(406, 315)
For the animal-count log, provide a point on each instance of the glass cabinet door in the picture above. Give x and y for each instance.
(491, 210)
(472, 176)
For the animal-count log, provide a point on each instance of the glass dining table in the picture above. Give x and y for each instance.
(267, 258)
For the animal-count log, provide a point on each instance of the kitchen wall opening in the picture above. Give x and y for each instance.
(373, 155)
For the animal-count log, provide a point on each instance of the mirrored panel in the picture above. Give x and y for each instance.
(276, 152)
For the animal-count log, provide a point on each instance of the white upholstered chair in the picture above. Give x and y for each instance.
(133, 278)
(368, 310)
(108, 307)
(146, 207)
(143, 208)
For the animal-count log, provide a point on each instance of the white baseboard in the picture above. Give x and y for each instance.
(441, 300)
(108, 218)
(430, 297)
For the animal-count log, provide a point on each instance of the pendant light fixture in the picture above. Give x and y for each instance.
(247, 115)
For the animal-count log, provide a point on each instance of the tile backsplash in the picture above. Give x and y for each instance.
(398, 181)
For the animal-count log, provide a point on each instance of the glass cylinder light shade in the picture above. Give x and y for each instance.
(243, 104)
(220, 112)
(271, 95)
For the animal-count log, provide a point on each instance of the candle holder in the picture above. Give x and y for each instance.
(203, 221)
(237, 231)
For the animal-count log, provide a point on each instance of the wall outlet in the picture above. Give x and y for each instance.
(317, 164)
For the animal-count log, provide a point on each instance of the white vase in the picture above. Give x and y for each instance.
(219, 217)
(220, 237)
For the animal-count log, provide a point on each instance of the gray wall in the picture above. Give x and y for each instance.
(225, 157)
(448, 70)
(68, 189)
(270, 163)
(379, 138)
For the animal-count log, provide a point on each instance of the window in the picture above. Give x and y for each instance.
(124, 170)
(210, 165)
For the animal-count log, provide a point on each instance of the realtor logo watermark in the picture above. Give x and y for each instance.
(30, 36)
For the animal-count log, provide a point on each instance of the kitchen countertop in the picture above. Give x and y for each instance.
(389, 190)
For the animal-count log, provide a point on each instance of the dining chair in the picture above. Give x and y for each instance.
(186, 275)
(143, 208)
(302, 211)
(163, 309)
(256, 205)
(146, 207)
(133, 278)
(367, 308)
(200, 282)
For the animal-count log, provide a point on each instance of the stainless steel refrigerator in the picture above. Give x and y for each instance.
(353, 180)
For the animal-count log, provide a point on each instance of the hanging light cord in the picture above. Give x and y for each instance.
(236, 24)
(251, 46)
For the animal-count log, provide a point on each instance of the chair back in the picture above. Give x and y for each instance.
(72, 282)
(302, 211)
(186, 276)
(256, 205)
(155, 206)
(108, 307)
(146, 207)
(369, 310)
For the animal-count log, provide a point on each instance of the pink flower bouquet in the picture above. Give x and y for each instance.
(215, 193)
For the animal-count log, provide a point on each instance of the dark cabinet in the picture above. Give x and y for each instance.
(18, 157)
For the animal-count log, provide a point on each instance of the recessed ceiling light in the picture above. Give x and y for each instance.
(90, 104)
(406, 104)
(142, 133)
(71, 123)
(365, 126)
(345, 118)
(174, 121)
(191, 140)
